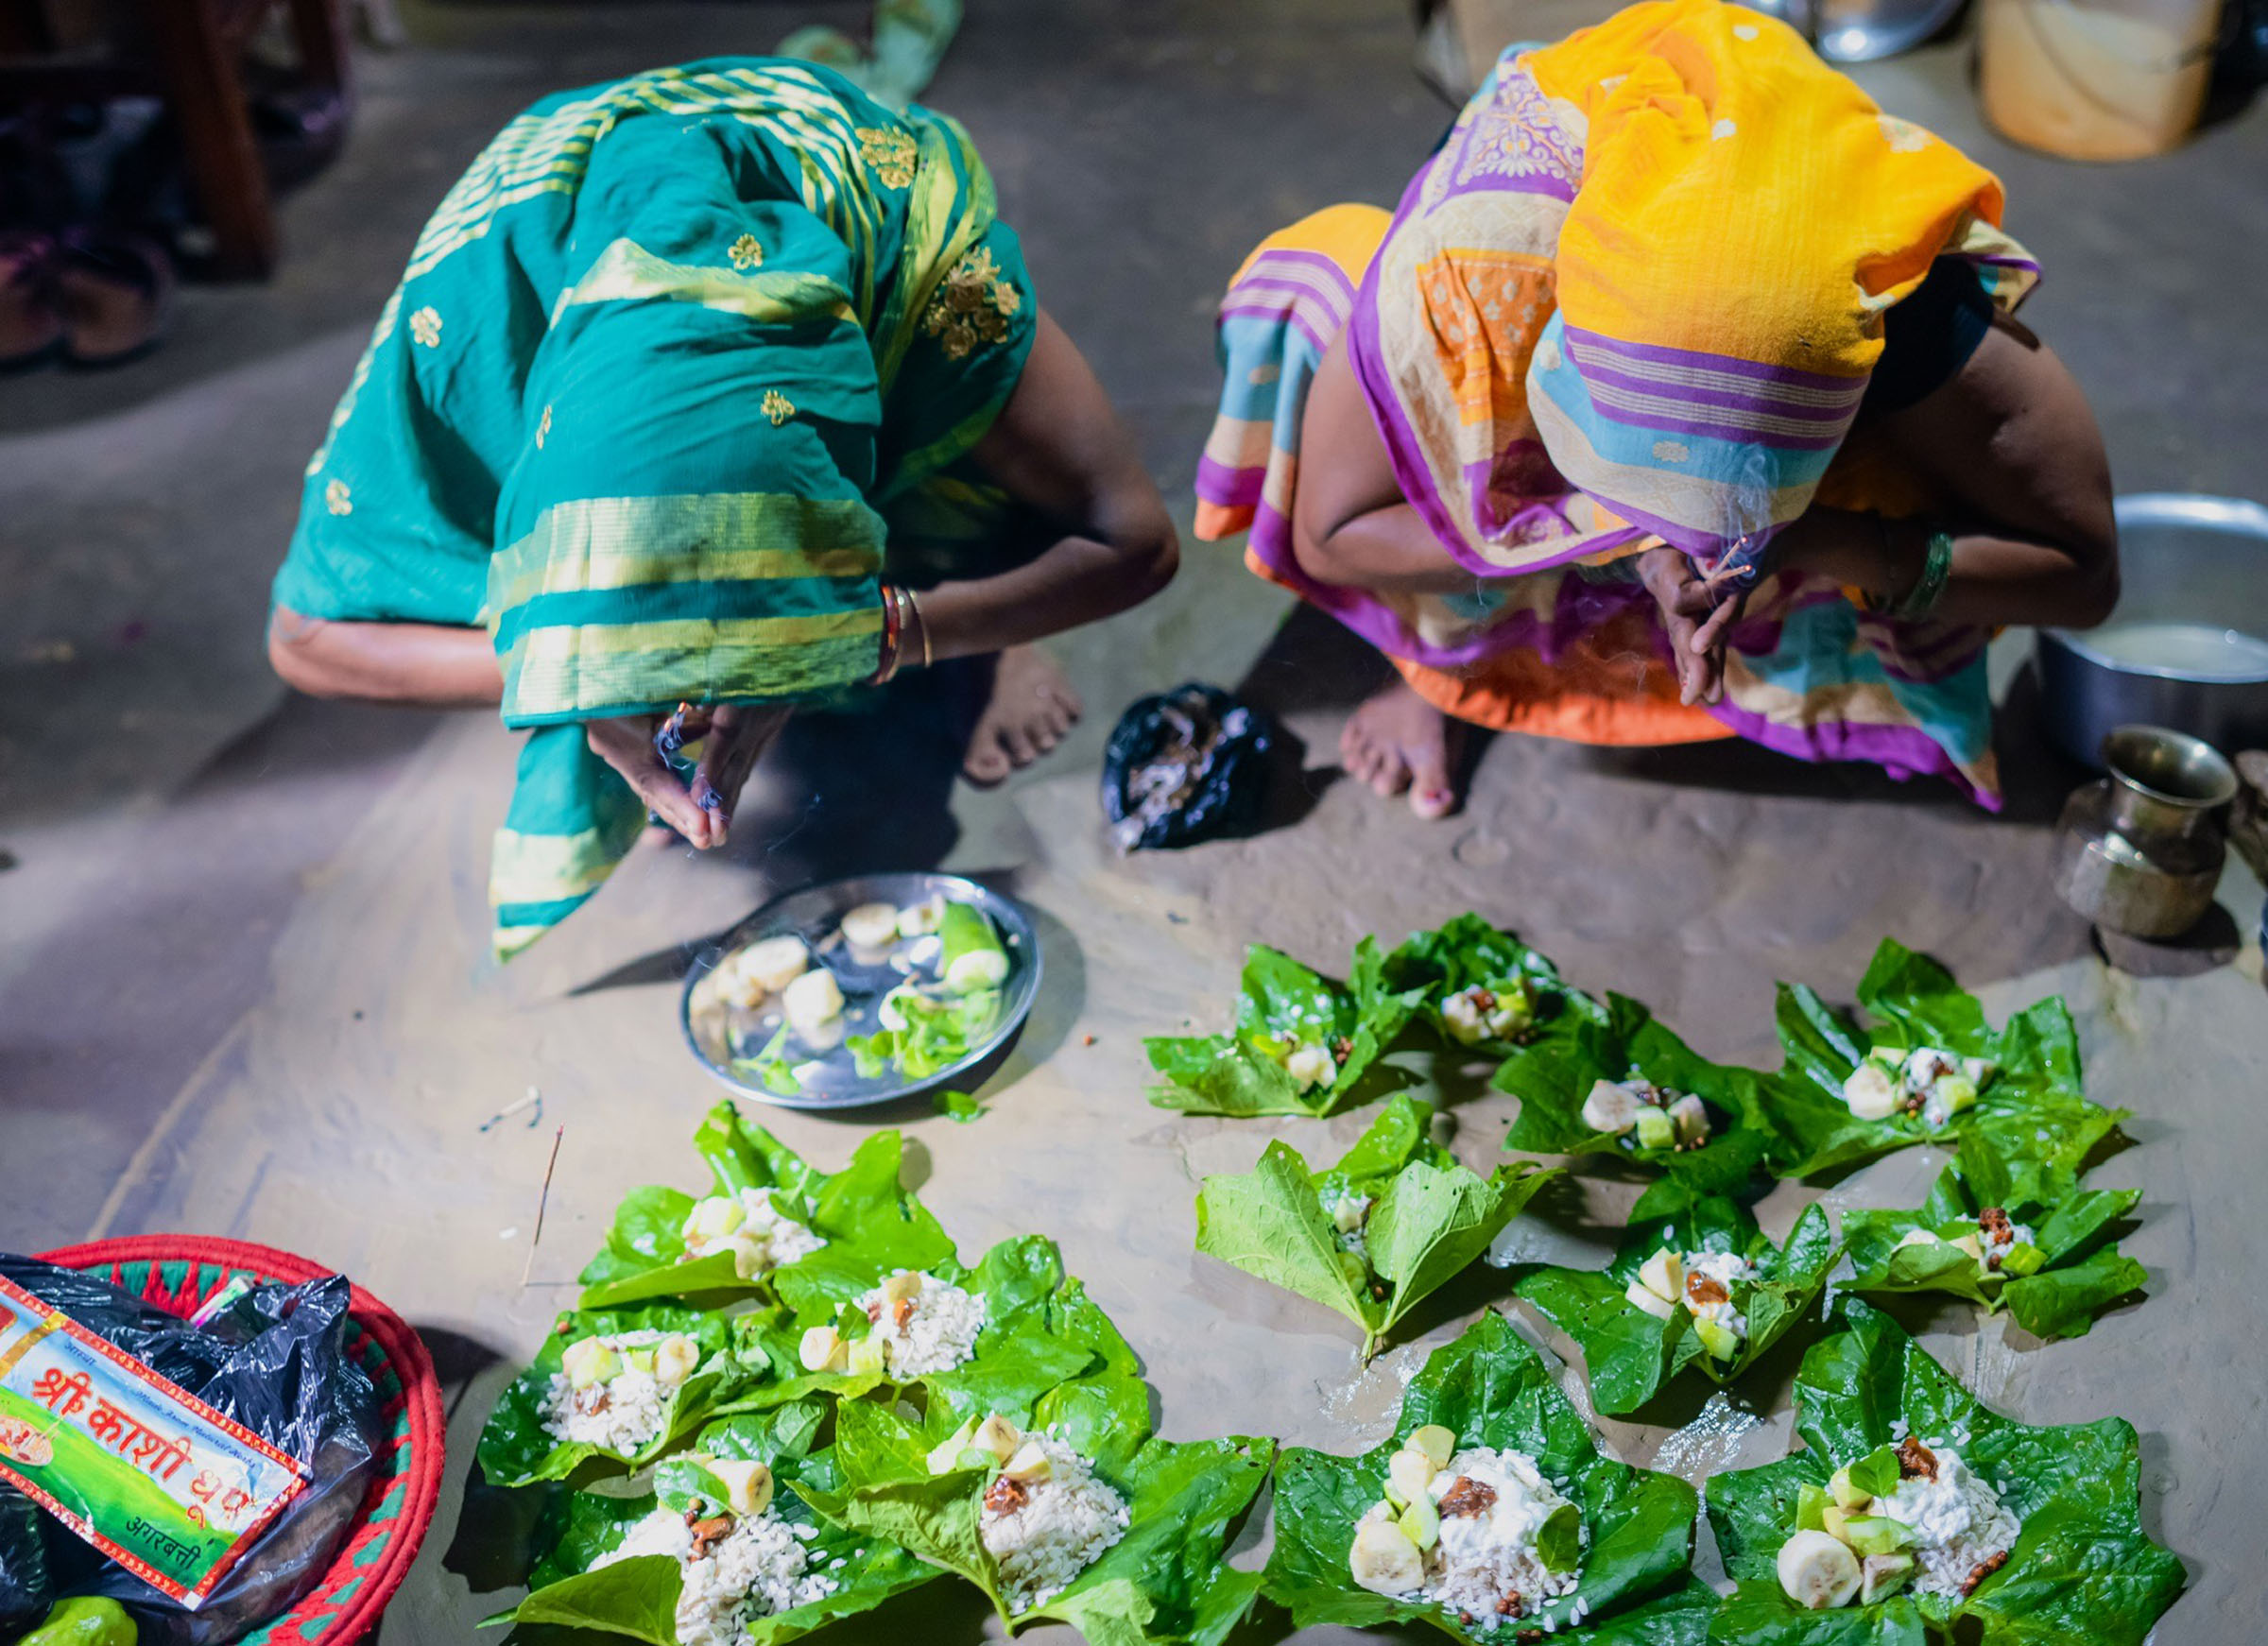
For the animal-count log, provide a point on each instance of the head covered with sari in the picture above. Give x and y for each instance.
(1635, 299)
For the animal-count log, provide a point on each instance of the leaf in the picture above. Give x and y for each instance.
(1017, 1355)
(516, 1448)
(871, 1224)
(1469, 952)
(938, 1032)
(1553, 1078)
(2082, 1567)
(2081, 1277)
(1284, 1007)
(1630, 1355)
(1491, 1389)
(960, 1106)
(2032, 1113)
(1429, 1219)
(1164, 1580)
(638, 1596)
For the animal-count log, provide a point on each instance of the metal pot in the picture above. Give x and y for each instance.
(2141, 852)
(2198, 563)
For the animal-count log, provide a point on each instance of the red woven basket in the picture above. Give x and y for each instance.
(178, 1271)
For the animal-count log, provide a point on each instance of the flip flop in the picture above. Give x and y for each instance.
(115, 291)
(31, 330)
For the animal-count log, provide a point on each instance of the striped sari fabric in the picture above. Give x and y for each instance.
(1635, 299)
(670, 367)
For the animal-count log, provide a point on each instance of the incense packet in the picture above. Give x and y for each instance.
(142, 1469)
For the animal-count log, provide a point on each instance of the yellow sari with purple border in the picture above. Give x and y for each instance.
(1635, 298)
(673, 366)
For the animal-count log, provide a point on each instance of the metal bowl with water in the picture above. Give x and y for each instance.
(2188, 646)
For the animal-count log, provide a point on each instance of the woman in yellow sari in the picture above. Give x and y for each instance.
(1681, 398)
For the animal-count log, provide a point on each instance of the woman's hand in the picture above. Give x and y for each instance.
(700, 810)
(1696, 613)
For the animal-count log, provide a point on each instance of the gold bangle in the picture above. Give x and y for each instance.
(913, 604)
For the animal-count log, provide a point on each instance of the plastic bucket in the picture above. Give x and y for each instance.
(2096, 80)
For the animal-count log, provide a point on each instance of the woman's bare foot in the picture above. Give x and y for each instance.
(1031, 708)
(1398, 741)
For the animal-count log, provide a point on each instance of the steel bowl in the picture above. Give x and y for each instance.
(1864, 31)
(2184, 559)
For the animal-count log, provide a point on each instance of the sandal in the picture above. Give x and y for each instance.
(31, 330)
(115, 291)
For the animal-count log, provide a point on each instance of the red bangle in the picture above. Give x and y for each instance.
(893, 637)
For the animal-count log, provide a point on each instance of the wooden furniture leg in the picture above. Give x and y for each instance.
(208, 98)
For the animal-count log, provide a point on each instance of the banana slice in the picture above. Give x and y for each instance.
(1610, 1108)
(1817, 1572)
(774, 963)
(812, 1001)
(1870, 1092)
(1383, 1560)
(871, 926)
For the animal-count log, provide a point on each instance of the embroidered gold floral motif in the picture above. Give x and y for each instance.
(426, 326)
(337, 499)
(776, 407)
(890, 152)
(973, 306)
(544, 429)
(746, 254)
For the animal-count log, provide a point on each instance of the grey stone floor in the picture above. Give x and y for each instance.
(242, 984)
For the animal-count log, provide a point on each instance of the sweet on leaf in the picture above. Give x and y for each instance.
(2031, 1108)
(1631, 1350)
(1389, 1223)
(1302, 1043)
(639, 1596)
(2081, 1569)
(2061, 1269)
(1555, 1079)
(516, 1447)
(1489, 1389)
(1484, 989)
(869, 1222)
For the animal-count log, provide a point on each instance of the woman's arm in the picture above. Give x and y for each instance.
(425, 665)
(2010, 440)
(1350, 524)
(1058, 448)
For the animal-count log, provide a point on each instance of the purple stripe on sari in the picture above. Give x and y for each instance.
(1661, 354)
(1297, 293)
(1229, 487)
(1903, 751)
(1732, 433)
(1764, 403)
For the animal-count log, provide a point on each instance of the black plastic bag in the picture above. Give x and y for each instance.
(25, 1589)
(1187, 765)
(274, 1359)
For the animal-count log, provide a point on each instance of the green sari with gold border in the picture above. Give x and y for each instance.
(673, 366)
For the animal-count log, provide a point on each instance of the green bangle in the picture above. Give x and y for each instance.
(1937, 571)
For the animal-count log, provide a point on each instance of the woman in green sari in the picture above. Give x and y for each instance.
(718, 387)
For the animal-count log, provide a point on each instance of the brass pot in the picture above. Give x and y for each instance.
(2141, 852)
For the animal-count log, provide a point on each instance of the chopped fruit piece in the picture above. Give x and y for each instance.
(812, 1002)
(1437, 1443)
(1816, 1571)
(999, 1437)
(1883, 1575)
(1689, 1115)
(1641, 1297)
(1721, 1341)
(1656, 1130)
(1383, 1560)
(1663, 1274)
(1421, 1523)
(1870, 1092)
(774, 963)
(747, 1483)
(1410, 1473)
(1611, 1107)
(871, 926)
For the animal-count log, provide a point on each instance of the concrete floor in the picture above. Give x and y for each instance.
(242, 983)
